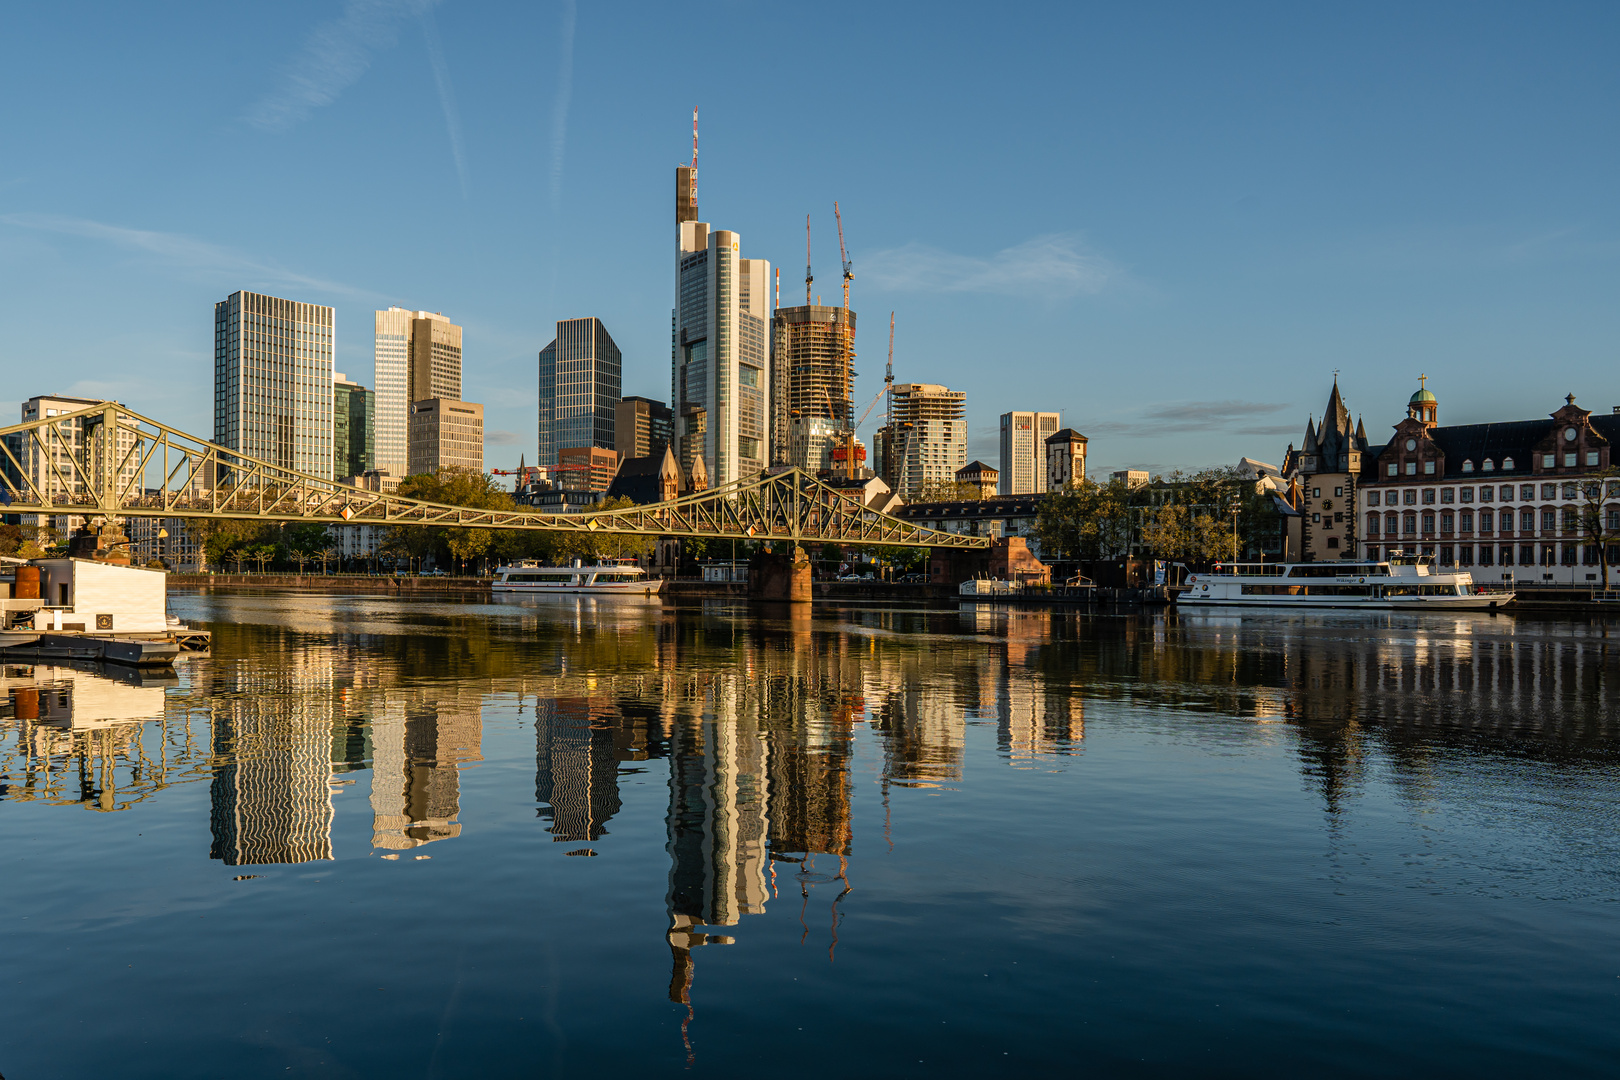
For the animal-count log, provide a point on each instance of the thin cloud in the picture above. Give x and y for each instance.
(1055, 265)
(334, 56)
(501, 438)
(185, 252)
(1208, 415)
(447, 94)
(559, 108)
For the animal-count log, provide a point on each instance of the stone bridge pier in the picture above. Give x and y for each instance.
(780, 577)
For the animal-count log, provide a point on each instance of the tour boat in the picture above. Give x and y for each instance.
(610, 577)
(1407, 583)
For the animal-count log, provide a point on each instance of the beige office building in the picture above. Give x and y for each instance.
(445, 433)
(418, 357)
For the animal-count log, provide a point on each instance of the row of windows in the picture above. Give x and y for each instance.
(1569, 554)
(1568, 489)
(1569, 460)
(1463, 521)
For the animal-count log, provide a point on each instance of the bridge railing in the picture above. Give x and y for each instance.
(106, 460)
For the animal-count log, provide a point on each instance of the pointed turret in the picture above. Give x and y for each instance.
(1309, 446)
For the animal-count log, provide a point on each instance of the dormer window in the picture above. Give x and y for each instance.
(1489, 466)
(1468, 466)
(1507, 463)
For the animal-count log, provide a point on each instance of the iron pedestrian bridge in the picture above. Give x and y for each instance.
(107, 461)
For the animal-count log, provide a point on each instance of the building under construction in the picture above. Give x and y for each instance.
(925, 441)
(813, 348)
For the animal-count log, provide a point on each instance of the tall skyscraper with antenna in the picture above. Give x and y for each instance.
(720, 374)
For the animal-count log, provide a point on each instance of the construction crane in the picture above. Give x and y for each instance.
(847, 355)
(847, 440)
(844, 255)
(808, 277)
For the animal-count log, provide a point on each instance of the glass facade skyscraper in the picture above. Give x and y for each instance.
(581, 378)
(273, 381)
(353, 433)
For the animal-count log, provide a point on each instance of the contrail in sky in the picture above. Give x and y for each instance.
(559, 112)
(447, 94)
(335, 54)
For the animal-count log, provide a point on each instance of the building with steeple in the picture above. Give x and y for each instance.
(1326, 468)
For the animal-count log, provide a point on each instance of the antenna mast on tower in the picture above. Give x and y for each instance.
(808, 277)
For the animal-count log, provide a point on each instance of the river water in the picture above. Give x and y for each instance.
(378, 837)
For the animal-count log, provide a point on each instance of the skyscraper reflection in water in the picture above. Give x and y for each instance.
(576, 775)
(421, 741)
(270, 800)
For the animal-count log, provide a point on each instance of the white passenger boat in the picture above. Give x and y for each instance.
(1402, 583)
(609, 577)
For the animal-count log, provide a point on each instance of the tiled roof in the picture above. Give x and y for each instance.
(1514, 439)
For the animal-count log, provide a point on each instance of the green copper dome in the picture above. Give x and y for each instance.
(1423, 397)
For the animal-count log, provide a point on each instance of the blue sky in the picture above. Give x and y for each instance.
(1172, 222)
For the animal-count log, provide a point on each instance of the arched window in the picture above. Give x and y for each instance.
(1372, 523)
(1466, 521)
(1448, 521)
(1487, 521)
(1411, 524)
(1428, 521)
(1527, 522)
(1391, 522)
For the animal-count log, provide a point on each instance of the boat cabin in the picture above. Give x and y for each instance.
(87, 596)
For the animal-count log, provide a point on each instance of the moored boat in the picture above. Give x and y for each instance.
(607, 577)
(1401, 583)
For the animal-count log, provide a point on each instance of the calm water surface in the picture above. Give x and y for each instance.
(373, 837)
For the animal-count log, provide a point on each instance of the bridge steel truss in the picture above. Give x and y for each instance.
(102, 472)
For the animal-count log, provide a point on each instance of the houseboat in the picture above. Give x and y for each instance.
(1407, 583)
(87, 609)
(621, 578)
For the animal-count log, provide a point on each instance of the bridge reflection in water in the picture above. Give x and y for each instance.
(760, 718)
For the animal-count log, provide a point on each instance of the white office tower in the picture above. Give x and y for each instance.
(1023, 450)
(273, 381)
(418, 356)
(720, 379)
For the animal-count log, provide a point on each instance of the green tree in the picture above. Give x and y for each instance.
(306, 541)
(947, 491)
(11, 539)
(449, 487)
(1599, 520)
(1087, 520)
(261, 554)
